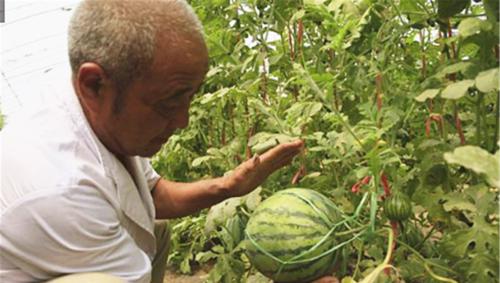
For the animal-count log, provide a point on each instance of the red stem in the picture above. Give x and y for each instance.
(299, 174)
(385, 185)
(300, 35)
(458, 124)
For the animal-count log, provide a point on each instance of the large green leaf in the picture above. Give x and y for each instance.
(487, 81)
(221, 212)
(427, 94)
(457, 90)
(454, 68)
(448, 8)
(480, 238)
(477, 160)
(458, 201)
(492, 10)
(481, 268)
(471, 26)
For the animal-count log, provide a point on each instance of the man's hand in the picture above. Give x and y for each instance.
(174, 199)
(251, 173)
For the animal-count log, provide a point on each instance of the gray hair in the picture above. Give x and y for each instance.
(121, 35)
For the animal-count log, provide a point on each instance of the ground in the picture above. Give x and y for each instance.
(171, 276)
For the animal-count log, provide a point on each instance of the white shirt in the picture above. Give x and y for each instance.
(67, 204)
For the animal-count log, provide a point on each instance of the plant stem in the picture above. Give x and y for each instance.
(358, 260)
(494, 147)
(458, 124)
(429, 234)
(479, 107)
(437, 277)
(423, 259)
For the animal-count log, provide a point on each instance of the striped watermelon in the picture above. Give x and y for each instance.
(287, 224)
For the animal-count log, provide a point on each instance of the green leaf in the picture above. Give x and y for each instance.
(477, 160)
(449, 8)
(487, 81)
(345, 7)
(458, 201)
(457, 90)
(482, 268)
(477, 238)
(431, 201)
(200, 160)
(491, 7)
(454, 68)
(470, 26)
(314, 2)
(427, 94)
(298, 15)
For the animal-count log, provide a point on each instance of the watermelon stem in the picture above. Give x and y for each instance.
(361, 203)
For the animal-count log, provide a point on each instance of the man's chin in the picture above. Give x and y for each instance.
(150, 151)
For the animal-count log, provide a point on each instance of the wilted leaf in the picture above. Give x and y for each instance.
(426, 94)
(219, 213)
(457, 90)
(253, 199)
(487, 81)
(477, 160)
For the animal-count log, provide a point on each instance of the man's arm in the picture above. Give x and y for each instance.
(174, 199)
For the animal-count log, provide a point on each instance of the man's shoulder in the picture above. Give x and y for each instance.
(46, 157)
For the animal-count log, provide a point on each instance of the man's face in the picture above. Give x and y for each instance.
(157, 105)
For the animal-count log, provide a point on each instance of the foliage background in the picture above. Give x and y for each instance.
(405, 91)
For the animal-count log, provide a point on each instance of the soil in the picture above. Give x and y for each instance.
(198, 276)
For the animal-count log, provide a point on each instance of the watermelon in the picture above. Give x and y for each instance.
(285, 227)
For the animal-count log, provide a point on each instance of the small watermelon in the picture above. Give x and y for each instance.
(398, 207)
(287, 225)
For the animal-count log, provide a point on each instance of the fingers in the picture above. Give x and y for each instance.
(283, 149)
(256, 160)
(282, 155)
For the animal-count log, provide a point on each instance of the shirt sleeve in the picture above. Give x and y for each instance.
(52, 234)
(151, 176)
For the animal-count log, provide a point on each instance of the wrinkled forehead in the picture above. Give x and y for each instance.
(181, 51)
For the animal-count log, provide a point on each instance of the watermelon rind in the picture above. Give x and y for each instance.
(290, 223)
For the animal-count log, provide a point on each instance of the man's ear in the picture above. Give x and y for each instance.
(89, 83)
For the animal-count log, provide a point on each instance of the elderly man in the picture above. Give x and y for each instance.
(78, 195)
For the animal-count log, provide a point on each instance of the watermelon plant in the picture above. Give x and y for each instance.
(391, 98)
